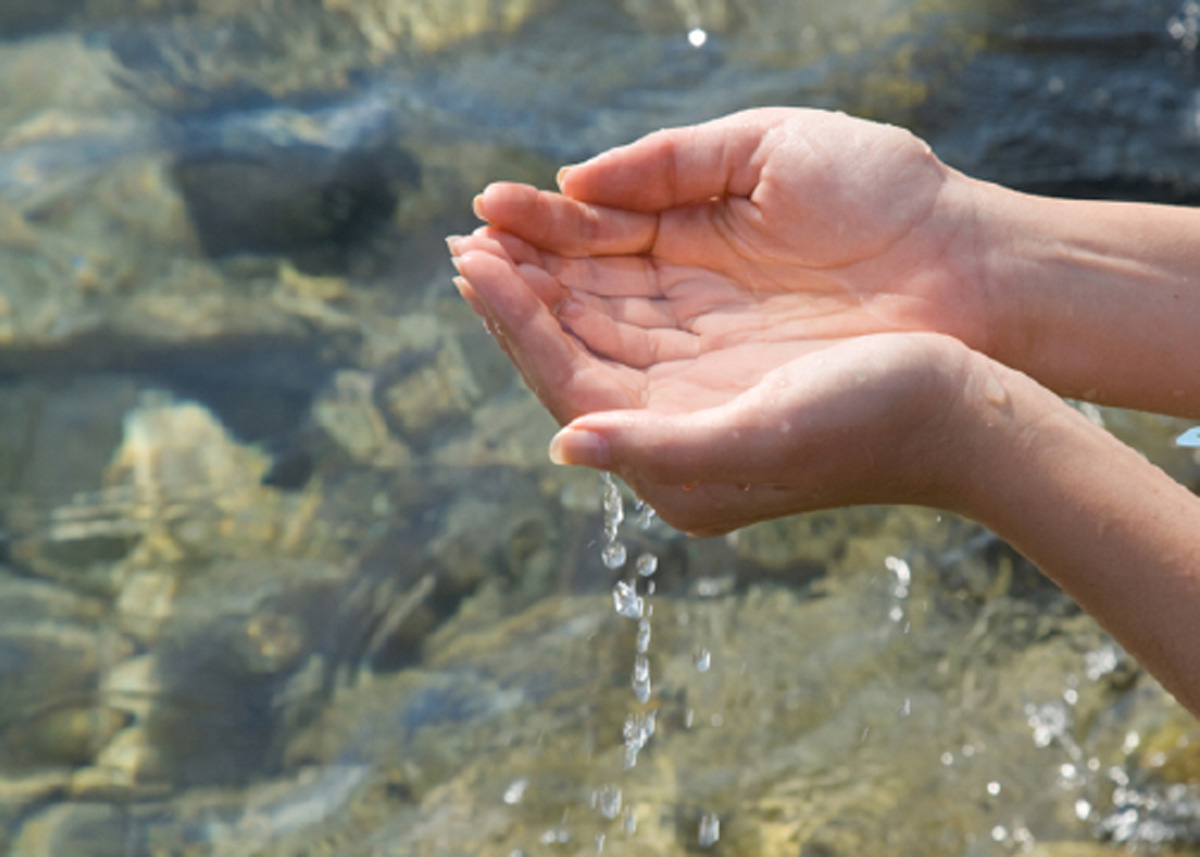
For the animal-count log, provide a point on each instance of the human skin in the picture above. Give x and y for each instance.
(787, 310)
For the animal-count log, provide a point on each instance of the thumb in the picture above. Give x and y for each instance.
(709, 446)
(675, 166)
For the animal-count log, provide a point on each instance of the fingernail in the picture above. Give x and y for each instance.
(561, 174)
(456, 261)
(452, 242)
(577, 446)
(477, 206)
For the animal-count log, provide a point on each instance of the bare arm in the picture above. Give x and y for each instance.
(1097, 300)
(1115, 532)
(786, 310)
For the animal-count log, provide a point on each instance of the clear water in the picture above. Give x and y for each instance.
(283, 568)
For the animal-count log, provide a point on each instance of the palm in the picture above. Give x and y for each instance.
(633, 291)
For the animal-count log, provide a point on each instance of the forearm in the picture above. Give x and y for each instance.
(1115, 532)
(1097, 300)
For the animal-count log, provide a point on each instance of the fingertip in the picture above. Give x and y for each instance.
(468, 294)
(580, 447)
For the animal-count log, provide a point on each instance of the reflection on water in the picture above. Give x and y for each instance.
(283, 569)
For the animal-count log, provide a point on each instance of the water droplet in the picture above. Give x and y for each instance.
(613, 555)
(646, 564)
(993, 788)
(903, 573)
(629, 822)
(627, 601)
(1100, 662)
(515, 792)
(608, 799)
(710, 829)
(702, 658)
(697, 37)
(555, 836)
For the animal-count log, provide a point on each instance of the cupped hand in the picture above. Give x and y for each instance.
(839, 226)
(733, 429)
(754, 302)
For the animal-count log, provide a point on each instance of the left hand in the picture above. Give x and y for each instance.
(727, 427)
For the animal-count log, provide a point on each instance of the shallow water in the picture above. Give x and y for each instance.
(283, 567)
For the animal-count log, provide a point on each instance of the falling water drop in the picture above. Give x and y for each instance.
(608, 799)
(710, 829)
(702, 658)
(646, 564)
(627, 601)
(613, 555)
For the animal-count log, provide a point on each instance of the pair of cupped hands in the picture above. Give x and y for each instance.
(777, 311)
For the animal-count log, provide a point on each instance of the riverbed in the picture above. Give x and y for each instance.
(284, 569)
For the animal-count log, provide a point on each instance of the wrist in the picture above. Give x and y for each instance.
(1011, 433)
(1095, 300)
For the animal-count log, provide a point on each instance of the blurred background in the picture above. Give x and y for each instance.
(283, 567)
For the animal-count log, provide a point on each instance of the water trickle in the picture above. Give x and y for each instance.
(645, 515)
(627, 601)
(613, 554)
(639, 728)
(641, 678)
(614, 507)
(643, 636)
(710, 830)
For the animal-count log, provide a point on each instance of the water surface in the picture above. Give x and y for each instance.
(283, 567)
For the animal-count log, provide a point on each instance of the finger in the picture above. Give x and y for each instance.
(677, 166)
(567, 378)
(550, 221)
(722, 444)
(529, 263)
(716, 509)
